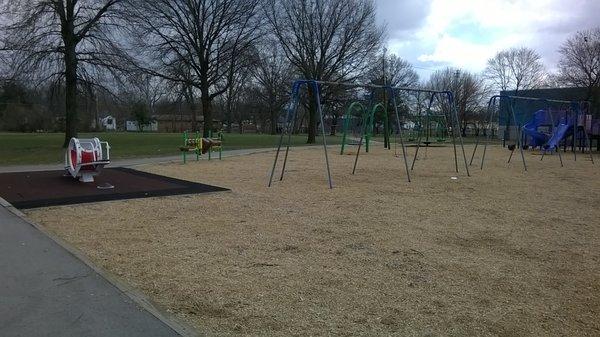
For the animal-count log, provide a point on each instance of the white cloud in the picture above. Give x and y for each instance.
(466, 33)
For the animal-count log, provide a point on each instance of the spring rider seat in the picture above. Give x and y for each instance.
(85, 158)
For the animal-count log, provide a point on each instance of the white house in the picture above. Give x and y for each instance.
(108, 123)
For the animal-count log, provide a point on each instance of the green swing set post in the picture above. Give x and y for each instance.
(209, 150)
(183, 153)
(386, 130)
(370, 121)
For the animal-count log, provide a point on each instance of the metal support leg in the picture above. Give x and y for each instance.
(587, 137)
(428, 111)
(320, 111)
(520, 141)
(287, 148)
(460, 138)
(400, 132)
(453, 140)
(290, 129)
(491, 108)
(291, 107)
(362, 133)
(575, 122)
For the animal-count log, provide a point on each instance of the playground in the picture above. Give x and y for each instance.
(503, 252)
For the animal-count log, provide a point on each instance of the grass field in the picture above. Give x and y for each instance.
(46, 148)
(501, 253)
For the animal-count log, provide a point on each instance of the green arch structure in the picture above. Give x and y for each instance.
(369, 129)
(347, 116)
(368, 118)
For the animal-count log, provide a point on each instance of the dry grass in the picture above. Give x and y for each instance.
(503, 253)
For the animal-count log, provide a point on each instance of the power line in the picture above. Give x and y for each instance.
(424, 68)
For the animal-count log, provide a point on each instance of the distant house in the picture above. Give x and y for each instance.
(108, 123)
(180, 123)
(175, 123)
(133, 126)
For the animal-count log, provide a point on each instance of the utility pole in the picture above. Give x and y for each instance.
(456, 89)
(386, 117)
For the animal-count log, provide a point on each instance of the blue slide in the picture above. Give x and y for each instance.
(531, 128)
(559, 134)
(539, 139)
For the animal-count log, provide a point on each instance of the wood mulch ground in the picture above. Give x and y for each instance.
(504, 252)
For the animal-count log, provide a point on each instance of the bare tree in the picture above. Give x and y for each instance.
(238, 81)
(516, 69)
(579, 64)
(469, 91)
(272, 75)
(330, 40)
(203, 37)
(60, 39)
(398, 72)
(148, 89)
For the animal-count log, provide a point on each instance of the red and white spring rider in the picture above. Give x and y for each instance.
(85, 158)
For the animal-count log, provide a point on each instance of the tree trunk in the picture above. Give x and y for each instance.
(273, 114)
(194, 118)
(312, 117)
(70, 58)
(206, 113)
(273, 120)
(241, 124)
(189, 96)
(298, 122)
(334, 125)
(97, 125)
(229, 111)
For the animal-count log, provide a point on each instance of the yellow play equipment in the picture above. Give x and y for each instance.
(200, 145)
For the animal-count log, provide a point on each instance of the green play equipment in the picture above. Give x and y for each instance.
(190, 145)
(386, 130)
(429, 128)
(200, 146)
(366, 120)
(349, 117)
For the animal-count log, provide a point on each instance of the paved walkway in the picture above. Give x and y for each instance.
(133, 161)
(45, 290)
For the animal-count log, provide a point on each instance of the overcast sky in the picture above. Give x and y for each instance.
(433, 34)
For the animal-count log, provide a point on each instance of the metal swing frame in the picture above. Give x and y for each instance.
(292, 108)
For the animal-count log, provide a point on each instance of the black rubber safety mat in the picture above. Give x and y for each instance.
(51, 188)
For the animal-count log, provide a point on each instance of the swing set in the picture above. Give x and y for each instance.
(445, 97)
